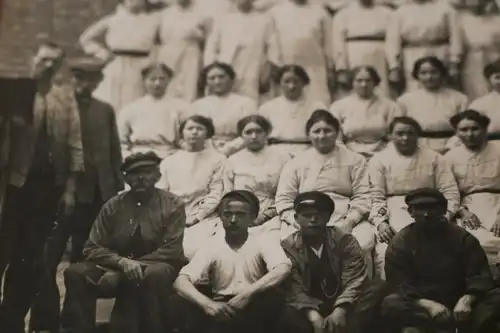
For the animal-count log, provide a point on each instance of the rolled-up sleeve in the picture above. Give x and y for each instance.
(446, 183)
(199, 266)
(359, 205)
(378, 188)
(272, 253)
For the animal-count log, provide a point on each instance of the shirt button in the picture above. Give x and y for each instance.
(138, 204)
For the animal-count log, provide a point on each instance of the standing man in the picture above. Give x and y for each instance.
(439, 274)
(329, 273)
(44, 159)
(134, 252)
(100, 181)
(243, 270)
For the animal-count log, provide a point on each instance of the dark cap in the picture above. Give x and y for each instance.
(425, 195)
(245, 196)
(314, 199)
(86, 64)
(140, 160)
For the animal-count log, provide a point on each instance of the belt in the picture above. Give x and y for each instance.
(437, 134)
(366, 38)
(276, 141)
(436, 42)
(131, 53)
(491, 191)
(493, 136)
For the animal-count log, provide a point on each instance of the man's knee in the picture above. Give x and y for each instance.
(365, 235)
(79, 271)
(161, 273)
(391, 302)
(294, 320)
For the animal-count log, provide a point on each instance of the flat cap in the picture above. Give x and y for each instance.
(314, 199)
(425, 195)
(243, 195)
(86, 64)
(139, 160)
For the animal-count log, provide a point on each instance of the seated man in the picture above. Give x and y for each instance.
(329, 273)
(243, 270)
(135, 247)
(439, 274)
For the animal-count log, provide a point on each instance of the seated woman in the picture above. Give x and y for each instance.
(195, 174)
(364, 116)
(488, 104)
(433, 104)
(151, 123)
(289, 112)
(397, 170)
(223, 106)
(334, 170)
(257, 169)
(476, 166)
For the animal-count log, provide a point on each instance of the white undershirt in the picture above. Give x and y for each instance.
(318, 252)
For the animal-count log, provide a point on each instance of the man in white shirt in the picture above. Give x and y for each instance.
(243, 270)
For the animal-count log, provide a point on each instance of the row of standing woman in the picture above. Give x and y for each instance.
(256, 43)
(369, 195)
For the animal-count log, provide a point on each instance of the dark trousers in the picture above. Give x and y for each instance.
(261, 315)
(138, 307)
(30, 212)
(399, 313)
(45, 312)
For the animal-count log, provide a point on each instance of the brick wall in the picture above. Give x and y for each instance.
(25, 23)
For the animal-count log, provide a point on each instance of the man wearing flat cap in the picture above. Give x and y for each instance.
(100, 180)
(134, 252)
(329, 272)
(439, 274)
(243, 271)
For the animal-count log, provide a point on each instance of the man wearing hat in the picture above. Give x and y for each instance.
(134, 252)
(45, 155)
(329, 272)
(439, 274)
(100, 180)
(243, 270)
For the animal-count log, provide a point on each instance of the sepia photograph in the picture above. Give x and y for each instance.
(249, 166)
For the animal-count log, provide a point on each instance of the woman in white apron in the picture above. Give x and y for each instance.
(289, 112)
(195, 174)
(481, 29)
(476, 166)
(244, 38)
(257, 168)
(224, 107)
(433, 103)
(304, 37)
(421, 28)
(334, 170)
(152, 122)
(129, 37)
(399, 169)
(183, 31)
(359, 34)
(364, 115)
